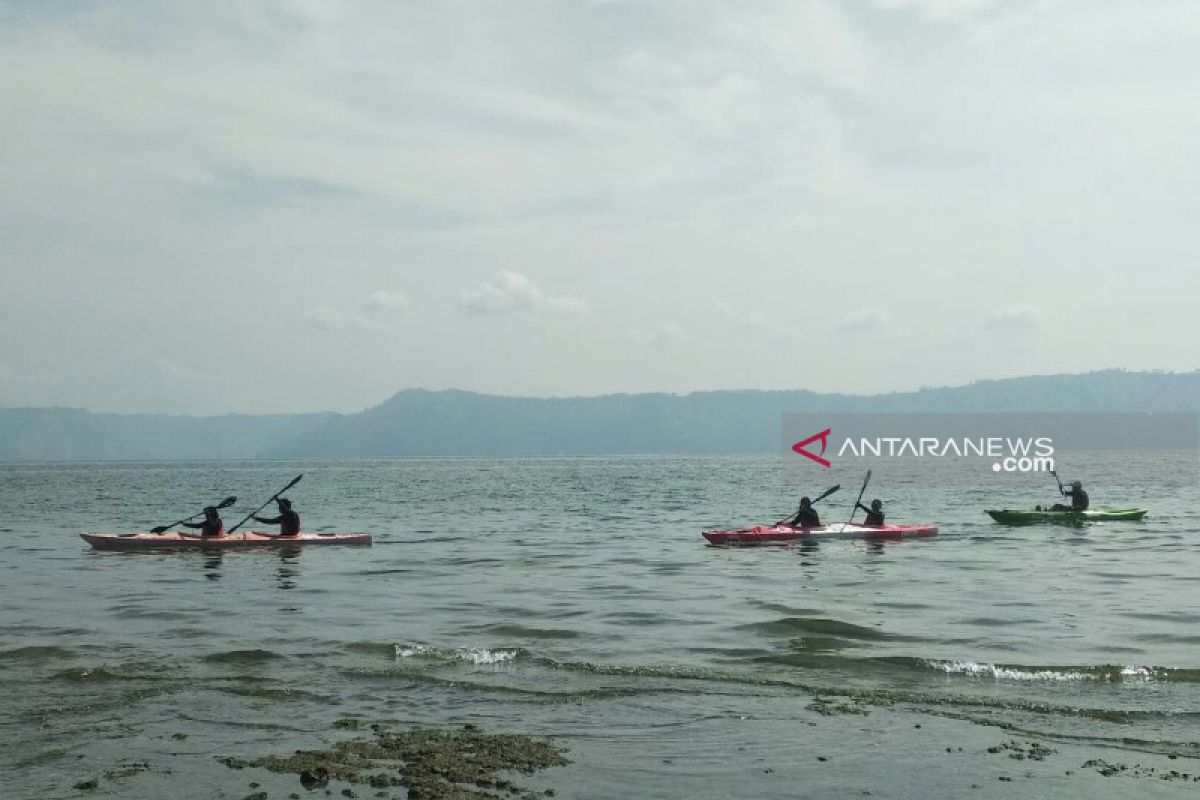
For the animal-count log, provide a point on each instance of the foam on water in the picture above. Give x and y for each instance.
(975, 669)
(479, 656)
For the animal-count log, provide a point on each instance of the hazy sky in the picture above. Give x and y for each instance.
(302, 205)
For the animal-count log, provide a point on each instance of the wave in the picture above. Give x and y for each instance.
(820, 626)
(92, 675)
(479, 656)
(527, 632)
(268, 692)
(36, 653)
(242, 657)
(1109, 673)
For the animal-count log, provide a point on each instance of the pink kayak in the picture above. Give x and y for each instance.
(174, 540)
(782, 534)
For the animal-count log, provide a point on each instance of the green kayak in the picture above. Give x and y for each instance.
(1010, 517)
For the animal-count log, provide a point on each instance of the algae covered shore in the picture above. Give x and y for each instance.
(428, 763)
(841, 746)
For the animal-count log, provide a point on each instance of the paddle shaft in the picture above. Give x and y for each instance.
(861, 492)
(1059, 482)
(228, 501)
(295, 480)
(819, 497)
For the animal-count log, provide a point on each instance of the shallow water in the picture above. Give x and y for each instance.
(574, 598)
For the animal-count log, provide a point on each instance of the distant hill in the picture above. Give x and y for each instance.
(73, 434)
(456, 423)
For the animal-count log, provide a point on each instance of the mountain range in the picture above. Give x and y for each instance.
(454, 423)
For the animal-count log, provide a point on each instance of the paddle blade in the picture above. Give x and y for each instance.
(160, 529)
(827, 492)
(227, 502)
(861, 492)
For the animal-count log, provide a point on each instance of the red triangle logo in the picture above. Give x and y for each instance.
(823, 436)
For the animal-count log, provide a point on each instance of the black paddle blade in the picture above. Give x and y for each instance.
(160, 529)
(827, 492)
(227, 502)
(861, 492)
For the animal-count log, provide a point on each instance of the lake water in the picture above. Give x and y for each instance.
(575, 599)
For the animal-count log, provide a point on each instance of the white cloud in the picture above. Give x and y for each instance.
(388, 303)
(939, 9)
(1011, 318)
(648, 156)
(327, 318)
(511, 292)
(864, 320)
(382, 306)
(661, 334)
(764, 326)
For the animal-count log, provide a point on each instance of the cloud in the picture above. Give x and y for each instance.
(759, 323)
(327, 318)
(511, 292)
(864, 320)
(661, 334)
(939, 9)
(380, 307)
(388, 303)
(1012, 319)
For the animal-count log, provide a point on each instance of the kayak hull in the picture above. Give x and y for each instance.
(1024, 517)
(177, 540)
(783, 534)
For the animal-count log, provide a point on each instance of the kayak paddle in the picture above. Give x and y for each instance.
(226, 503)
(861, 492)
(819, 497)
(295, 480)
(1060, 489)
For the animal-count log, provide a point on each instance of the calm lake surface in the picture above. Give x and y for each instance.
(575, 599)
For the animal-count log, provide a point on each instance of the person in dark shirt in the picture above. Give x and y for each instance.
(874, 513)
(212, 524)
(1079, 499)
(288, 520)
(806, 516)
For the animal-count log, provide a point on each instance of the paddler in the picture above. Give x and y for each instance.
(1079, 498)
(874, 513)
(806, 516)
(288, 520)
(212, 524)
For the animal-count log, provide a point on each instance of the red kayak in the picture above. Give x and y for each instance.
(175, 540)
(782, 534)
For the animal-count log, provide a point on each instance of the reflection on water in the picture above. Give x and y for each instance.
(289, 566)
(212, 565)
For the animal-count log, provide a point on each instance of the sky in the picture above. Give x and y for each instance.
(300, 205)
